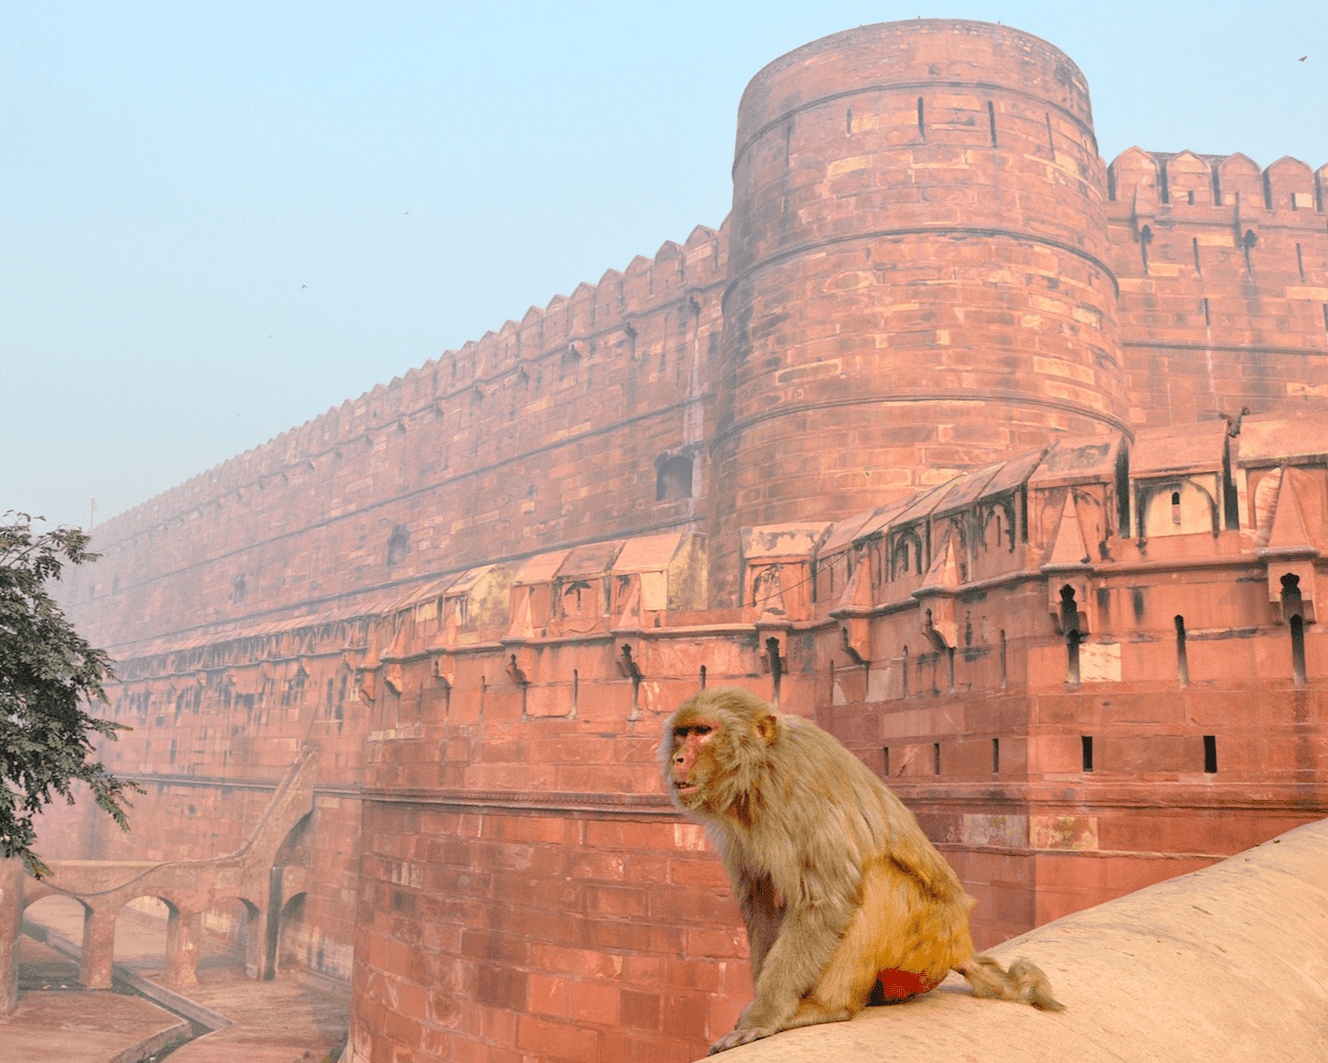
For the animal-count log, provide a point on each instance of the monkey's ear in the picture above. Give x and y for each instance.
(766, 727)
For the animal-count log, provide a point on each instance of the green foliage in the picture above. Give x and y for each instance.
(48, 677)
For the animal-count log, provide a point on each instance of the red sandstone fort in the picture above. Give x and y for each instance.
(1007, 465)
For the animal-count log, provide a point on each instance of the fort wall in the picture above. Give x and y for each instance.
(557, 429)
(1223, 271)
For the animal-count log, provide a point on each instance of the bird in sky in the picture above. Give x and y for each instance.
(1302, 58)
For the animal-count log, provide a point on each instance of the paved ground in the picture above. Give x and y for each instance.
(287, 1020)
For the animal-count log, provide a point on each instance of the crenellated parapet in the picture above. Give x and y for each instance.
(477, 453)
(1223, 271)
(1145, 182)
(679, 277)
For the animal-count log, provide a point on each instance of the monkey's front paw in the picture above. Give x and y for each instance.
(740, 1037)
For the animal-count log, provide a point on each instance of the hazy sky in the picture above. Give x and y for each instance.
(219, 220)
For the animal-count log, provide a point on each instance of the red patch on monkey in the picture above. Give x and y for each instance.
(895, 985)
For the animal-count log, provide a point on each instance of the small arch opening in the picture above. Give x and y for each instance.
(398, 544)
(674, 479)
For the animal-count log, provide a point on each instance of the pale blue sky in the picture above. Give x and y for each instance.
(174, 175)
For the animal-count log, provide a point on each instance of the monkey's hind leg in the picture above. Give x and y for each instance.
(1023, 983)
(845, 986)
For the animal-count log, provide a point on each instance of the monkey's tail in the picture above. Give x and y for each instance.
(1023, 983)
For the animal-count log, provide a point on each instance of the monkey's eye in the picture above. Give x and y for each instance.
(702, 729)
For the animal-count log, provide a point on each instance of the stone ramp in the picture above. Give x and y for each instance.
(1225, 964)
(283, 1021)
(63, 1026)
(294, 1019)
(86, 1027)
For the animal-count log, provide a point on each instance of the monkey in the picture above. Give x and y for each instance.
(845, 900)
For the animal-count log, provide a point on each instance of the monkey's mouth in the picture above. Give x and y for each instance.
(684, 787)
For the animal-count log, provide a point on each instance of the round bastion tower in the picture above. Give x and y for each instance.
(917, 273)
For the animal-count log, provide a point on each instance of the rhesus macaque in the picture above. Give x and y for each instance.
(846, 901)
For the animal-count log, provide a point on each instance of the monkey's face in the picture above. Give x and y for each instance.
(692, 761)
(716, 748)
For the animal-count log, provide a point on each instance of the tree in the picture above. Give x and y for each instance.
(49, 675)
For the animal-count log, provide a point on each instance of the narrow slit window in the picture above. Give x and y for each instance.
(936, 758)
(1182, 659)
(1004, 673)
(1070, 625)
(776, 669)
(922, 130)
(1086, 742)
(703, 677)
(1194, 245)
(885, 761)
(991, 121)
(995, 756)
(1210, 754)
(1297, 626)
(1293, 610)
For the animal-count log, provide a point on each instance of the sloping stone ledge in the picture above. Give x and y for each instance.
(1228, 963)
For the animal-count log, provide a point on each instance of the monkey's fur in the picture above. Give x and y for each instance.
(835, 879)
